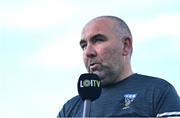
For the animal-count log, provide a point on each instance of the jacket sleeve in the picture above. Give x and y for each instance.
(61, 113)
(168, 102)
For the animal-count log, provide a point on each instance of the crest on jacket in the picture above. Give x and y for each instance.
(128, 99)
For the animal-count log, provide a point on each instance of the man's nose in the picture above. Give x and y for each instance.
(90, 51)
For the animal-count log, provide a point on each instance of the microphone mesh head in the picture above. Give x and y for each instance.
(89, 86)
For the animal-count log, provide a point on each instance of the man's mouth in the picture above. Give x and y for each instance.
(94, 67)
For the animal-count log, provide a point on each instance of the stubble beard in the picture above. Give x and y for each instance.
(106, 74)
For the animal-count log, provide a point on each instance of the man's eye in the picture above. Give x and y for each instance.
(83, 46)
(98, 40)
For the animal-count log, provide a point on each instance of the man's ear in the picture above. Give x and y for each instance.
(127, 46)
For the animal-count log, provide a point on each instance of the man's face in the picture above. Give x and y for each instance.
(102, 50)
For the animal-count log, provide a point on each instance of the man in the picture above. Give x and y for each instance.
(106, 42)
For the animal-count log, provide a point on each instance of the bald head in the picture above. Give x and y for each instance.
(119, 26)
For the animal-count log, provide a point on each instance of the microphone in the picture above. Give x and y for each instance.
(89, 89)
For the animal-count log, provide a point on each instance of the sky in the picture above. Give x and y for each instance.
(40, 56)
